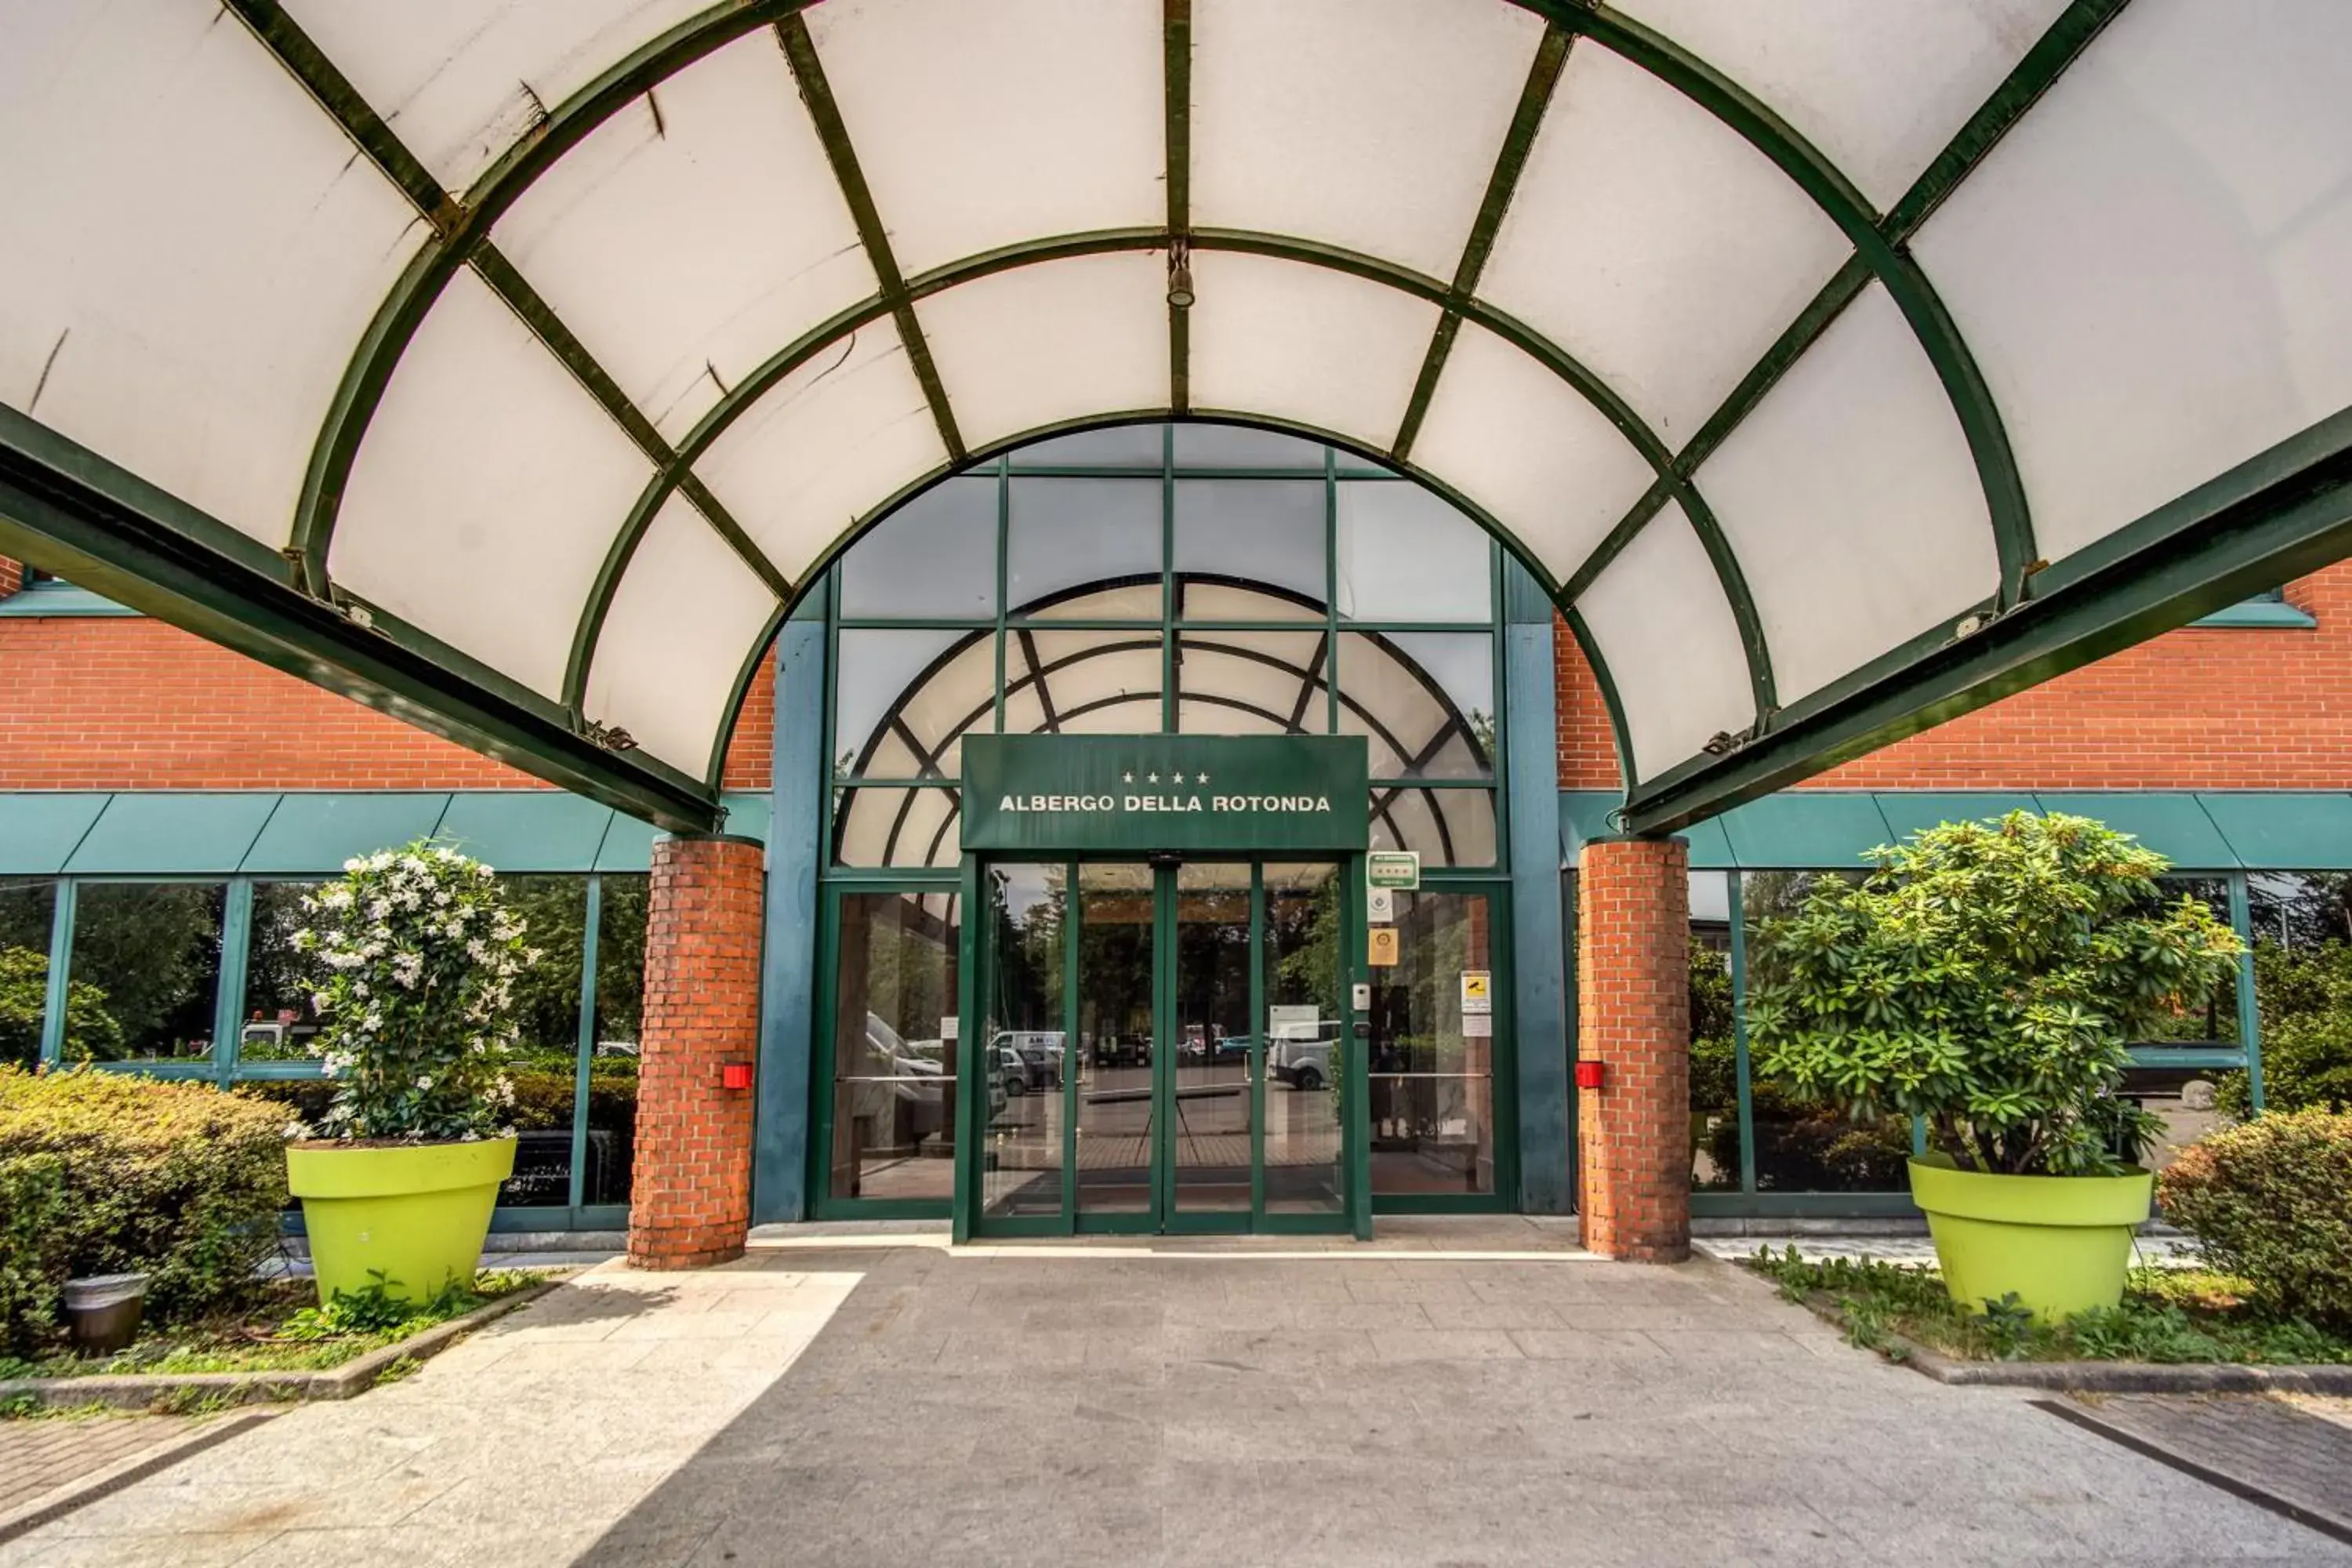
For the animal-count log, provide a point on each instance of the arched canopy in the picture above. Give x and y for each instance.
(515, 364)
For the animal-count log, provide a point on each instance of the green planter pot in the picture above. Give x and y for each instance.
(2063, 1243)
(413, 1212)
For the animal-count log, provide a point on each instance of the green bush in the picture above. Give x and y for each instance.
(2306, 995)
(177, 1180)
(2272, 1201)
(1987, 977)
(32, 1255)
(90, 1029)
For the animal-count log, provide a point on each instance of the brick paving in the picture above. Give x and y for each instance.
(42, 1457)
(2269, 1445)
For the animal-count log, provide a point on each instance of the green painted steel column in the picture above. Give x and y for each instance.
(788, 981)
(228, 996)
(590, 932)
(1539, 979)
(2249, 1012)
(1741, 1072)
(53, 1005)
(971, 1120)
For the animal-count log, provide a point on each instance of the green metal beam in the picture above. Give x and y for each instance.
(1526, 118)
(816, 94)
(2278, 516)
(301, 57)
(1176, 26)
(2060, 46)
(67, 510)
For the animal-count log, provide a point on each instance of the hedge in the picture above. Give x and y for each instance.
(2271, 1200)
(179, 1180)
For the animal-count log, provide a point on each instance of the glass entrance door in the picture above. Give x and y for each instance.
(1168, 1048)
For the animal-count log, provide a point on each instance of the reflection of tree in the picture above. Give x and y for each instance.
(621, 956)
(547, 994)
(1026, 976)
(1305, 933)
(90, 1030)
(154, 950)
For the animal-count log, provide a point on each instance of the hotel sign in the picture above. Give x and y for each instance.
(1138, 793)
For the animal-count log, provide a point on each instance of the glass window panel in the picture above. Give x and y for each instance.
(543, 1067)
(1251, 683)
(1201, 600)
(151, 951)
(1714, 1072)
(1028, 911)
(613, 1068)
(1445, 826)
(2297, 910)
(1116, 1030)
(936, 555)
(2216, 1021)
(1071, 533)
(1136, 601)
(1810, 1148)
(1244, 447)
(1407, 555)
(1304, 938)
(873, 672)
(1119, 447)
(1090, 683)
(1425, 699)
(887, 827)
(1264, 530)
(894, 1048)
(27, 905)
(958, 695)
(277, 1019)
(2186, 1101)
(1432, 1079)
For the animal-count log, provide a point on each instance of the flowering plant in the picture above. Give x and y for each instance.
(417, 956)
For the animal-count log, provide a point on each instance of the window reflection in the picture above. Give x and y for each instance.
(28, 907)
(1068, 533)
(1406, 556)
(1423, 701)
(894, 1047)
(611, 1151)
(543, 1066)
(1714, 1062)
(1432, 1068)
(150, 952)
(935, 556)
(277, 1019)
(1028, 910)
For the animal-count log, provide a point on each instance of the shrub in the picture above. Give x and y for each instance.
(1987, 976)
(32, 1254)
(179, 1180)
(2271, 1200)
(2305, 995)
(418, 957)
(90, 1029)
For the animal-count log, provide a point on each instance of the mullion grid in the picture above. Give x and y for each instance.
(1003, 627)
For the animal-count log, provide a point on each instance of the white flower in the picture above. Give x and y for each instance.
(321, 1002)
(423, 1082)
(296, 1129)
(411, 863)
(379, 908)
(440, 897)
(477, 951)
(379, 861)
(354, 864)
(533, 954)
(482, 871)
(372, 1022)
(335, 898)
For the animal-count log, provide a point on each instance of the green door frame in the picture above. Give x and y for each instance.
(1162, 1217)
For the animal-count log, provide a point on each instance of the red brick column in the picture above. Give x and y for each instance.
(1634, 1018)
(691, 1199)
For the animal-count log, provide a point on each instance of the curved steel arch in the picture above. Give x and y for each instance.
(461, 229)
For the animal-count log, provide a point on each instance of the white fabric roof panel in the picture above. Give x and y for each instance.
(486, 493)
(1369, 124)
(693, 234)
(212, 283)
(191, 249)
(2151, 266)
(674, 639)
(1849, 496)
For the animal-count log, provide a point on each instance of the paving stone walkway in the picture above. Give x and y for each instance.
(45, 1461)
(2300, 1459)
(1454, 1396)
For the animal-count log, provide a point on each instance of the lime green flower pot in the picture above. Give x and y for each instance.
(415, 1214)
(2063, 1243)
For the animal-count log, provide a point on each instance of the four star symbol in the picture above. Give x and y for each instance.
(1154, 778)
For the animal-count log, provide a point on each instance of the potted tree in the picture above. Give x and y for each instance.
(417, 957)
(1987, 978)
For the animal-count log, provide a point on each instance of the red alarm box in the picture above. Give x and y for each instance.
(1588, 1075)
(735, 1075)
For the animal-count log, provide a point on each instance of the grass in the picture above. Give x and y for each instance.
(2167, 1315)
(284, 1330)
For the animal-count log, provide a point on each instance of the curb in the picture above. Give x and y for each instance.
(59, 1501)
(146, 1392)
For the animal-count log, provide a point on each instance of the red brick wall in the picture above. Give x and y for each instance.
(121, 703)
(1632, 989)
(2195, 708)
(12, 576)
(691, 1199)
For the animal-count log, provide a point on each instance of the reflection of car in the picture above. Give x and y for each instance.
(1032, 1059)
(278, 1041)
(1224, 1048)
(1300, 1054)
(1123, 1051)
